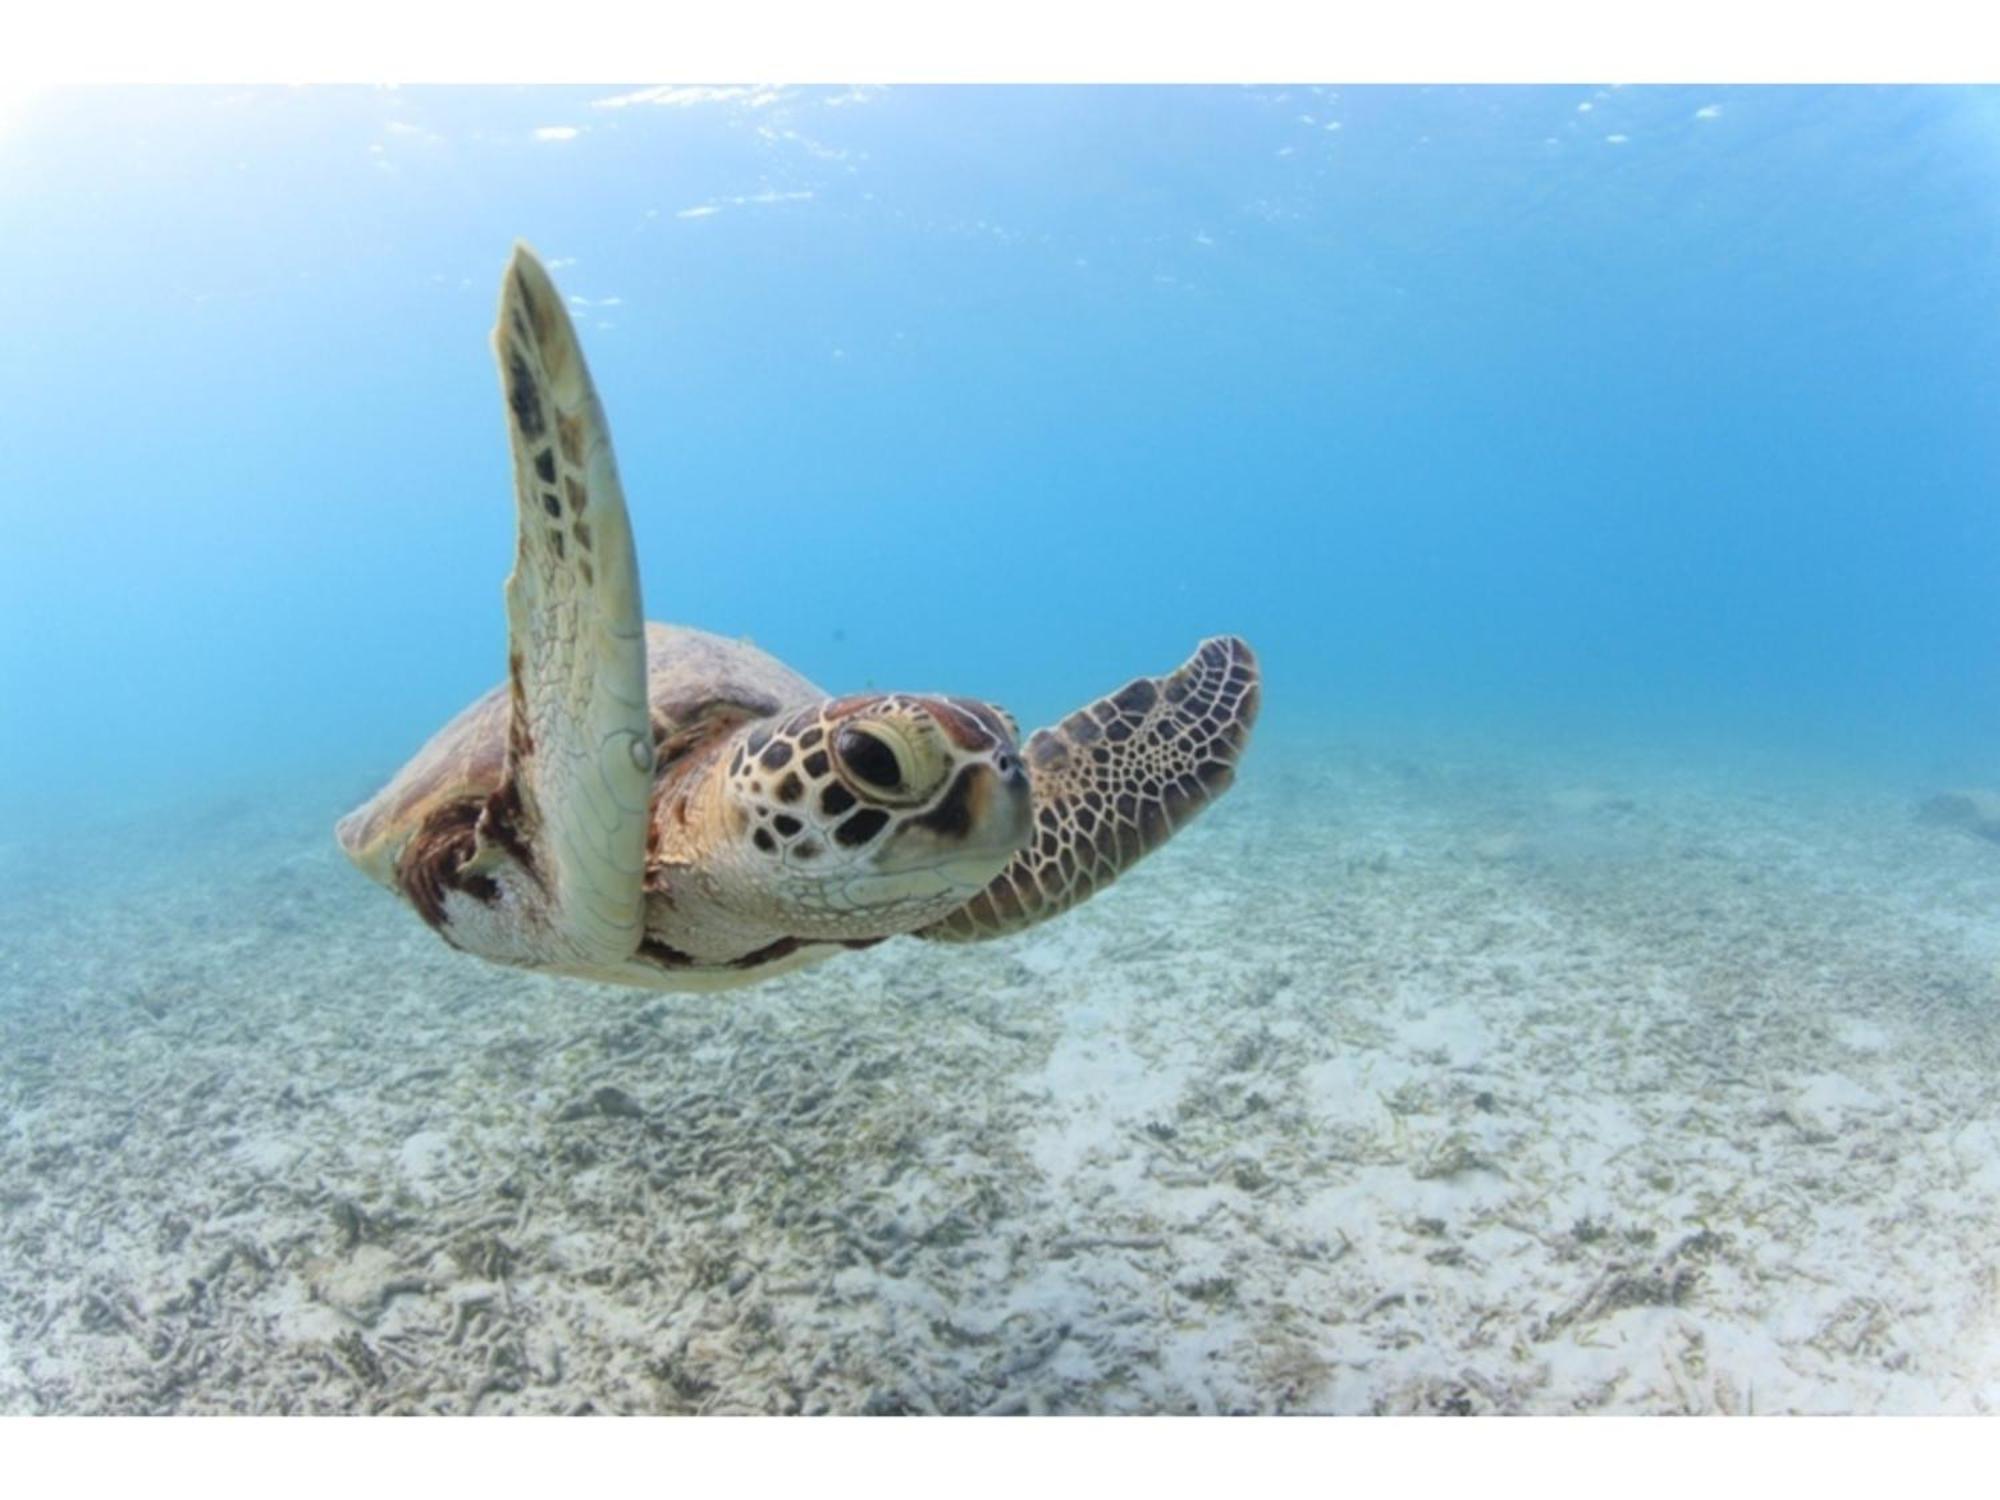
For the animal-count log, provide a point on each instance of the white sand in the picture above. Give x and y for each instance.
(1426, 1084)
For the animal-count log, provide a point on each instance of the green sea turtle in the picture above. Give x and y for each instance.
(652, 805)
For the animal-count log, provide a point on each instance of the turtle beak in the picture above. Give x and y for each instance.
(980, 823)
(1014, 803)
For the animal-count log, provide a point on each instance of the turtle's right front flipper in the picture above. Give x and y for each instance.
(573, 806)
(1113, 782)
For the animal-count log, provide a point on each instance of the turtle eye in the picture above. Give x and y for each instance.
(888, 761)
(869, 759)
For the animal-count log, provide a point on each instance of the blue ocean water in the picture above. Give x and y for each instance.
(1585, 999)
(1657, 416)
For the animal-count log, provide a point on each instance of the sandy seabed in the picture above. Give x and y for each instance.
(1402, 1083)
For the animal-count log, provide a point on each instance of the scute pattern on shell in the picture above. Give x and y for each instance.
(464, 761)
(1114, 780)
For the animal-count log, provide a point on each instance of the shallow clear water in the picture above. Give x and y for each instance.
(1604, 477)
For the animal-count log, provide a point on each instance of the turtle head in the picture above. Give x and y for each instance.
(871, 815)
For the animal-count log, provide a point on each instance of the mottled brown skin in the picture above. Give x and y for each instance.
(1116, 780)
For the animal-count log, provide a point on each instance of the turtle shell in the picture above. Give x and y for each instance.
(697, 683)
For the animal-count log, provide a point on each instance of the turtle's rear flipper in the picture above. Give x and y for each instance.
(1113, 782)
(573, 807)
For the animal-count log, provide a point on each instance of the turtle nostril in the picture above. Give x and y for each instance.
(1013, 774)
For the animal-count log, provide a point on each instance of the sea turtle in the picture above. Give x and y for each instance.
(653, 805)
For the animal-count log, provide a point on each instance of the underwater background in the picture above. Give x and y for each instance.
(1604, 476)
(1659, 416)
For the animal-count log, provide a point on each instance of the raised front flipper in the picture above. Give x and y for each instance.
(579, 749)
(1113, 781)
